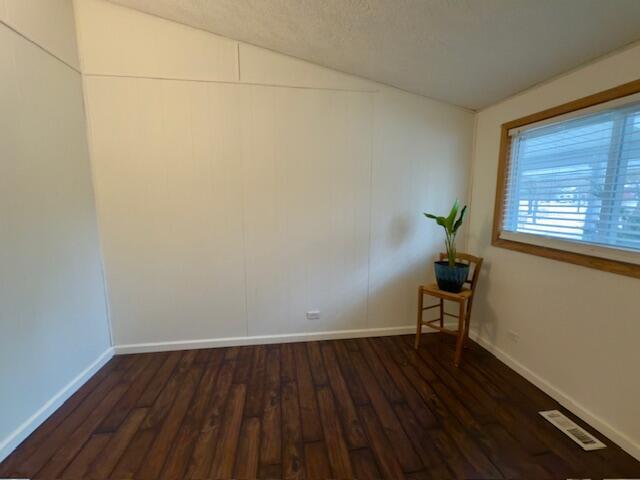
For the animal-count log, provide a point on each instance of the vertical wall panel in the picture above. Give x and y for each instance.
(268, 247)
(307, 172)
(167, 171)
(199, 184)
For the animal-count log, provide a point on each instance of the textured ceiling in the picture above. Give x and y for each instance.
(467, 52)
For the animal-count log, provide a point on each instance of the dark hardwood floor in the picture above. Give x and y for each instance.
(367, 408)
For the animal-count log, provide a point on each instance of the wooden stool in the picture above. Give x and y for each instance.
(464, 299)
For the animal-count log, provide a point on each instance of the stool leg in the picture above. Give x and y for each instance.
(441, 313)
(460, 340)
(466, 328)
(419, 324)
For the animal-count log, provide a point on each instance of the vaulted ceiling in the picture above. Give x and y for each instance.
(471, 53)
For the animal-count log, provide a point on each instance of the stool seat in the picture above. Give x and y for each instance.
(433, 290)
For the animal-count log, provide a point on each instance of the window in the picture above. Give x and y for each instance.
(569, 182)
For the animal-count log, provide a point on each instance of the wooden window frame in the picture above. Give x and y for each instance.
(599, 263)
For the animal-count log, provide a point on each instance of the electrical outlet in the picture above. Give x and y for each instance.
(514, 336)
(313, 315)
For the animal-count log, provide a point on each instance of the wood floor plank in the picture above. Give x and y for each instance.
(421, 475)
(271, 437)
(223, 461)
(72, 445)
(356, 389)
(287, 363)
(310, 417)
(398, 345)
(159, 380)
(409, 393)
(255, 389)
(333, 434)
(393, 429)
(89, 452)
(316, 461)
(161, 446)
(269, 471)
(451, 454)
(132, 459)
(423, 442)
(524, 391)
(248, 450)
(204, 355)
(148, 369)
(385, 452)
(346, 409)
(294, 411)
(509, 456)
(482, 413)
(364, 463)
(292, 452)
(243, 367)
(118, 443)
(383, 378)
(481, 434)
(183, 445)
(316, 363)
(231, 353)
(472, 371)
(202, 456)
(351, 344)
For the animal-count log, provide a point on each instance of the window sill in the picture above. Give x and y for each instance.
(608, 265)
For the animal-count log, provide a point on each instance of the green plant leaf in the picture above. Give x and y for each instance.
(458, 223)
(452, 216)
(439, 220)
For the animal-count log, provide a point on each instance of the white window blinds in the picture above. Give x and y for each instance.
(577, 179)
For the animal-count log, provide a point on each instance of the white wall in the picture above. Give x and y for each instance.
(53, 323)
(578, 327)
(49, 24)
(238, 188)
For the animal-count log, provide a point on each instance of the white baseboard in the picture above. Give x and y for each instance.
(8, 444)
(263, 339)
(624, 441)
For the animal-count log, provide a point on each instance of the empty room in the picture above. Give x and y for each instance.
(320, 239)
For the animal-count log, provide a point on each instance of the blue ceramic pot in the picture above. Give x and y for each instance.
(451, 279)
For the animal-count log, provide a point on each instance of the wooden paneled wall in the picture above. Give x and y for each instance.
(238, 189)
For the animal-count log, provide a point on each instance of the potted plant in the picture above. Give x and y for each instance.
(450, 274)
